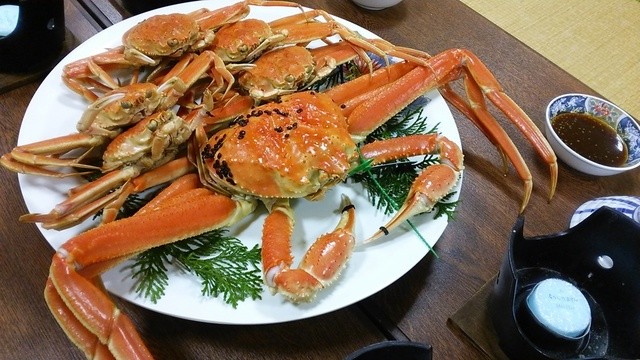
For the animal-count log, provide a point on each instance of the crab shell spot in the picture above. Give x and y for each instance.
(162, 35)
(234, 41)
(286, 68)
(276, 158)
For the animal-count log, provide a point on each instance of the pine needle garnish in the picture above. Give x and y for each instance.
(150, 273)
(223, 264)
(410, 121)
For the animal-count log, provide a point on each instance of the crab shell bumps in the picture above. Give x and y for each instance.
(317, 150)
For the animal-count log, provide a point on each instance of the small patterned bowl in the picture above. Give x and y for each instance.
(619, 120)
(627, 205)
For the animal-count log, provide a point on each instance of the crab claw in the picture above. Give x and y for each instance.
(321, 264)
(430, 186)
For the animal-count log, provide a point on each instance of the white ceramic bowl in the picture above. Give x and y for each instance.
(376, 4)
(619, 120)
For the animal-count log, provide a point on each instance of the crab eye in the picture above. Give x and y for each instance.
(290, 78)
(125, 105)
(172, 42)
(243, 48)
(148, 94)
(152, 125)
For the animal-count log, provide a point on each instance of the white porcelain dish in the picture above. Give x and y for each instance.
(54, 110)
(376, 4)
(623, 123)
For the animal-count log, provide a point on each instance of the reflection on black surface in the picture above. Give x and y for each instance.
(38, 38)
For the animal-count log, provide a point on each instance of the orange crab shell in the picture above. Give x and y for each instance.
(233, 42)
(289, 149)
(279, 71)
(163, 35)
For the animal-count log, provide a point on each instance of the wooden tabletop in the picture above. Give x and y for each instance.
(416, 307)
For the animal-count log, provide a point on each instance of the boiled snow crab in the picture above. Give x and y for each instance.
(312, 141)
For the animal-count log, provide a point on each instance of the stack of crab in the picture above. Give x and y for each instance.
(217, 104)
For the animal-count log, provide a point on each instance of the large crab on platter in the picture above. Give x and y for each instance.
(300, 145)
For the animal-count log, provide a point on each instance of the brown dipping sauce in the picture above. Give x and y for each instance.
(591, 137)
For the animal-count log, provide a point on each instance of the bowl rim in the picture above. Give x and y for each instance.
(573, 152)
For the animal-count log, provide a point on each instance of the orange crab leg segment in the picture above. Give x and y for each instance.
(383, 151)
(84, 339)
(194, 71)
(175, 169)
(431, 185)
(78, 301)
(96, 312)
(39, 154)
(320, 265)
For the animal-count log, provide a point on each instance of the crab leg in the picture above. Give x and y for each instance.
(431, 185)
(30, 159)
(421, 57)
(383, 151)
(303, 28)
(86, 341)
(370, 110)
(320, 265)
(82, 71)
(87, 199)
(73, 292)
(205, 61)
(175, 169)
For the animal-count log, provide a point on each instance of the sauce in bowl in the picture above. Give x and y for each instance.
(591, 137)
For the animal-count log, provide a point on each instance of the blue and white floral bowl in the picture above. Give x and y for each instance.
(627, 205)
(624, 124)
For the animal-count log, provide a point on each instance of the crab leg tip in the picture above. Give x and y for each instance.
(528, 187)
(554, 179)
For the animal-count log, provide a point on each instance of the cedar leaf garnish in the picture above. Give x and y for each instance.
(223, 264)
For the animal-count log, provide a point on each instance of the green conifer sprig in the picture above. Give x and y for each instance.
(223, 264)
